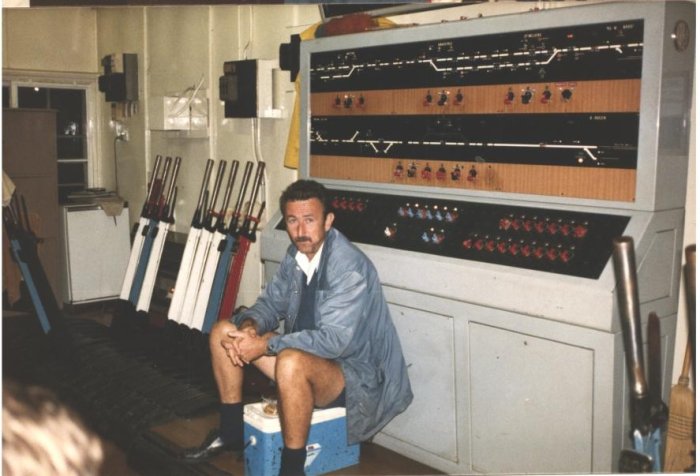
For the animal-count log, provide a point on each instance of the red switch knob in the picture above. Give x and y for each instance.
(565, 229)
(441, 174)
(514, 249)
(580, 231)
(538, 252)
(510, 95)
(502, 247)
(566, 255)
(552, 254)
(490, 245)
(546, 96)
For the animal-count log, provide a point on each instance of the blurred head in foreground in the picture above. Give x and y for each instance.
(42, 436)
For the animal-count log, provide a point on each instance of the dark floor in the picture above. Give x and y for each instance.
(134, 445)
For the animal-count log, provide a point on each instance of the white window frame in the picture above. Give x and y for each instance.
(87, 81)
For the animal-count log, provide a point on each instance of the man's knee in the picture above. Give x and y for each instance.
(290, 364)
(218, 332)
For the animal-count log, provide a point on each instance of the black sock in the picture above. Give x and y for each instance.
(293, 462)
(231, 423)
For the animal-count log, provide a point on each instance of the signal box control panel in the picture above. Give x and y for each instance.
(551, 112)
(556, 241)
(485, 166)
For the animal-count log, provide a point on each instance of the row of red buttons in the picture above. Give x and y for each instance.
(349, 204)
(577, 230)
(533, 249)
(441, 173)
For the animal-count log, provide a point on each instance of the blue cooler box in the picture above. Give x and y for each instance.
(326, 450)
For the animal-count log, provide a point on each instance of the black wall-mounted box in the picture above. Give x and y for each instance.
(120, 81)
(238, 88)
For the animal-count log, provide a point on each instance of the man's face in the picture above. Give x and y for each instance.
(306, 226)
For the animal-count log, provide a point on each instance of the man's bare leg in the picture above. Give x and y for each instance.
(304, 381)
(229, 377)
(229, 381)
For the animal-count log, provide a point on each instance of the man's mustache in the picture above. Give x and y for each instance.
(302, 239)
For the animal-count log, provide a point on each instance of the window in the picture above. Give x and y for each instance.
(73, 100)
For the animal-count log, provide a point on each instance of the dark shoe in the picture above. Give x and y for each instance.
(212, 446)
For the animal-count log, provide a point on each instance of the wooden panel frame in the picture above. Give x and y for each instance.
(622, 95)
(550, 180)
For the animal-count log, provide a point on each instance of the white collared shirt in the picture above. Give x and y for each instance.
(309, 267)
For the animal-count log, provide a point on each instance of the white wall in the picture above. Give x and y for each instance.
(122, 31)
(176, 45)
(256, 35)
(60, 39)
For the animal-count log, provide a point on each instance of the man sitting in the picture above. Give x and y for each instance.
(339, 347)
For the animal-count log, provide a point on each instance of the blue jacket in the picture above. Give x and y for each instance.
(354, 328)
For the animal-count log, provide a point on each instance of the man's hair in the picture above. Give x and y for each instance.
(40, 435)
(305, 190)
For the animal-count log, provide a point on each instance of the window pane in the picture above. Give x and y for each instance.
(70, 104)
(32, 97)
(5, 96)
(70, 147)
(71, 173)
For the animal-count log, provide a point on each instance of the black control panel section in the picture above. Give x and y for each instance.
(583, 52)
(589, 140)
(556, 241)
